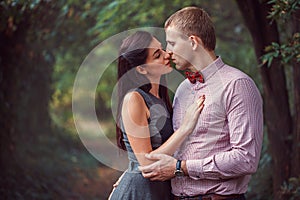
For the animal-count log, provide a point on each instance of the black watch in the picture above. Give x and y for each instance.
(178, 171)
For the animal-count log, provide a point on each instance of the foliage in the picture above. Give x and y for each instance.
(282, 10)
(13, 12)
(118, 16)
(285, 52)
(291, 189)
(40, 161)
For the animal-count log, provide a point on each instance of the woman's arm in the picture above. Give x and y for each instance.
(135, 116)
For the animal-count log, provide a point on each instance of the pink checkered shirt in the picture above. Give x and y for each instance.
(224, 149)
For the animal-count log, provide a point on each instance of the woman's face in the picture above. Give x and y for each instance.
(158, 61)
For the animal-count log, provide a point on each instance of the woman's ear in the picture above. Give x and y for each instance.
(141, 70)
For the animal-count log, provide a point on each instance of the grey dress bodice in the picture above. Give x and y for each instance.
(159, 122)
(133, 186)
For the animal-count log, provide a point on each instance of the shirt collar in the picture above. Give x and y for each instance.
(208, 72)
(211, 69)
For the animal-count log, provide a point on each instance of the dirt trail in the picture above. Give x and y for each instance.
(99, 185)
(96, 187)
(111, 162)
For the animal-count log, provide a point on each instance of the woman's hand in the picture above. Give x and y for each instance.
(192, 115)
(119, 180)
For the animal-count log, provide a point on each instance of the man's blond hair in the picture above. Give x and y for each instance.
(194, 21)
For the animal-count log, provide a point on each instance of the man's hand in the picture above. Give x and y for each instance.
(162, 169)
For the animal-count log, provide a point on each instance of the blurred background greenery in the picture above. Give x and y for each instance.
(43, 44)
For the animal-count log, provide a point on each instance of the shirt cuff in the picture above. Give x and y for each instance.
(195, 169)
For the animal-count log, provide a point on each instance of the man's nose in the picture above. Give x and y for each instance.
(168, 54)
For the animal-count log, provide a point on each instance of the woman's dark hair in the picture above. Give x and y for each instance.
(134, 52)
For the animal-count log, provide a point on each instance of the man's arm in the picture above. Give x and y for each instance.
(245, 122)
(162, 168)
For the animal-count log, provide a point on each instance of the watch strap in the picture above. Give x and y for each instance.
(178, 165)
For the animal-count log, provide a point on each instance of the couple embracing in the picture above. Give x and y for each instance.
(205, 146)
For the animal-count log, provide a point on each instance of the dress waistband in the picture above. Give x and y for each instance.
(133, 167)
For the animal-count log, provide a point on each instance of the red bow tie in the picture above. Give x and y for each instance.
(194, 77)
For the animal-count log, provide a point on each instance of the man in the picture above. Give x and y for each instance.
(218, 158)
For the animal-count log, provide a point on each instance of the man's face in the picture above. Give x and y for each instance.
(180, 46)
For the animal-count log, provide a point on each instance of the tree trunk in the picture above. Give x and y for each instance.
(276, 105)
(296, 80)
(25, 82)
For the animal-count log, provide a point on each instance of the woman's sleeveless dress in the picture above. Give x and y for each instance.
(133, 186)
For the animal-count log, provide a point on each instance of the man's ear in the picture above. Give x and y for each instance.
(195, 41)
(141, 70)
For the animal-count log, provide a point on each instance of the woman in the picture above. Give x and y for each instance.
(144, 115)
